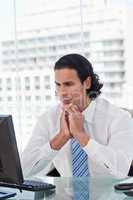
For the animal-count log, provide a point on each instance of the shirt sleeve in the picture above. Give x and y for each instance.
(38, 153)
(114, 158)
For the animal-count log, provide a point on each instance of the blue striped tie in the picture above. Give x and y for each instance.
(81, 188)
(79, 160)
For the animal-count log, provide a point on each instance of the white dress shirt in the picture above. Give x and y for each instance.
(110, 149)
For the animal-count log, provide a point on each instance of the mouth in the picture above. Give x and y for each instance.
(66, 101)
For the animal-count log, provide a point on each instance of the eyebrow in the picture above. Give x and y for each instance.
(64, 83)
(57, 83)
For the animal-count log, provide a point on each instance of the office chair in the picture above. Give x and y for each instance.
(130, 173)
(53, 173)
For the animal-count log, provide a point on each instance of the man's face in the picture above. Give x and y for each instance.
(69, 88)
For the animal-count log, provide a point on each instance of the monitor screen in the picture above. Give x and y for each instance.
(10, 167)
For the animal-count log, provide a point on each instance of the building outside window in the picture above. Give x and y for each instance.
(30, 45)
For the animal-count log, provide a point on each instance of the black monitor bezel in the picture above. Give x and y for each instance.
(12, 170)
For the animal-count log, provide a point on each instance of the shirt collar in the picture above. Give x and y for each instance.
(89, 111)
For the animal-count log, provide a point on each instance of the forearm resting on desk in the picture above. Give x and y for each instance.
(36, 158)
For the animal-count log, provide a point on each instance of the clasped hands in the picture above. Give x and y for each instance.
(71, 125)
(72, 121)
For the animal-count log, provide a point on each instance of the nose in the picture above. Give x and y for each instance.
(62, 91)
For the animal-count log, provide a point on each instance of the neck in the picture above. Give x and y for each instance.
(88, 101)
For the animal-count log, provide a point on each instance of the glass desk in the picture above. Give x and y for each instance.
(100, 188)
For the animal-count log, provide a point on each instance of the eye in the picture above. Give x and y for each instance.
(69, 83)
(57, 84)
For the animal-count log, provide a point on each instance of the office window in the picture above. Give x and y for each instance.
(27, 50)
(28, 98)
(46, 78)
(48, 97)
(27, 87)
(37, 98)
(47, 87)
(37, 87)
(37, 78)
(9, 98)
(27, 79)
(8, 88)
(8, 80)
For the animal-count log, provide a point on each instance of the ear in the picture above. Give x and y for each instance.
(87, 82)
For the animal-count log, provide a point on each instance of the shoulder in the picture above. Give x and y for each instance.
(106, 108)
(51, 113)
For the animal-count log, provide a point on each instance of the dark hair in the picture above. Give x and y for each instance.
(84, 69)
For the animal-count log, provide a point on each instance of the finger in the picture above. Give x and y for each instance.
(63, 113)
(71, 110)
(77, 108)
(64, 116)
(74, 109)
(67, 106)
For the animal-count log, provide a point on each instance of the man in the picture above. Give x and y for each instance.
(103, 131)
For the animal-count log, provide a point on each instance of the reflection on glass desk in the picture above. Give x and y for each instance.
(99, 188)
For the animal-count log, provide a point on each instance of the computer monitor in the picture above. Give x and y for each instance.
(10, 166)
